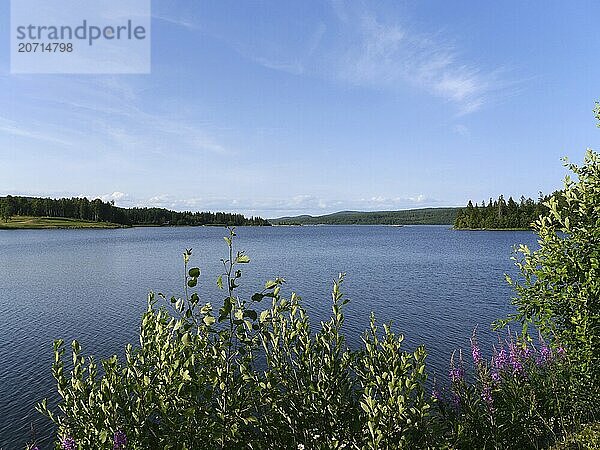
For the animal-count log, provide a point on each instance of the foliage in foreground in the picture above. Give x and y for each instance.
(239, 378)
(525, 396)
(558, 291)
(236, 377)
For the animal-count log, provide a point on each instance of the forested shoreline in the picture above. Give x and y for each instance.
(501, 214)
(99, 211)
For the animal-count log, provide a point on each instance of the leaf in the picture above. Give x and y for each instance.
(270, 284)
(257, 297)
(192, 282)
(242, 259)
(220, 281)
(250, 313)
(194, 272)
(208, 320)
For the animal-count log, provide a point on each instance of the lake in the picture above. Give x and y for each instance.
(435, 283)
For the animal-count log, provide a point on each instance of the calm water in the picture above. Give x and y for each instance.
(435, 283)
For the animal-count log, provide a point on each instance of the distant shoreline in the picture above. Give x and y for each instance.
(492, 229)
(64, 223)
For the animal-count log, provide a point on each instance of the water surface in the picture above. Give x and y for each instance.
(435, 283)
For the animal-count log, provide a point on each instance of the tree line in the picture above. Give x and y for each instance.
(501, 213)
(423, 216)
(99, 211)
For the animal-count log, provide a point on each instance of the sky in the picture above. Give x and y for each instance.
(278, 108)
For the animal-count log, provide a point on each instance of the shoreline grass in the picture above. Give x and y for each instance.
(47, 223)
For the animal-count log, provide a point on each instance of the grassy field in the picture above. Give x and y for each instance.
(43, 223)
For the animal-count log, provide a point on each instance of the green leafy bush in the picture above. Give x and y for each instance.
(246, 376)
(239, 378)
(559, 288)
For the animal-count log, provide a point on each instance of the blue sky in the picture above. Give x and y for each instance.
(278, 108)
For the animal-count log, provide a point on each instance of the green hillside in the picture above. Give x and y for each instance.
(424, 216)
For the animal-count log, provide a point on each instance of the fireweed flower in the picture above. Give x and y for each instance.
(500, 359)
(68, 443)
(486, 396)
(120, 440)
(513, 356)
(476, 352)
(495, 377)
(456, 374)
(545, 354)
(560, 351)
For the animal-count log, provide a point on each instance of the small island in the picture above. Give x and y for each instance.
(501, 214)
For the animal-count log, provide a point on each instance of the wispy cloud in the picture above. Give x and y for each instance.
(113, 108)
(176, 20)
(30, 131)
(388, 54)
(364, 50)
(462, 130)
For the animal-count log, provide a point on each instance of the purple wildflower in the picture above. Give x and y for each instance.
(514, 359)
(120, 440)
(560, 351)
(500, 359)
(486, 396)
(545, 354)
(68, 443)
(495, 377)
(436, 394)
(476, 352)
(457, 374)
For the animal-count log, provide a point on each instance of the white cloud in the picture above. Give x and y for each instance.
(176, 20)
(115, 196)
(462, 130)
(296, 205)
(112, 107)
(30, 131)
(388, 55)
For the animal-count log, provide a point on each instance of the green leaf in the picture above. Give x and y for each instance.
(220, 281)
(242, 259)
(192, 282)
(250, 313)
(194, 272)
(208, 320)
(270, 284)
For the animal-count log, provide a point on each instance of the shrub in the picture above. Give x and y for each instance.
(558, 291)
(239, 378)
(520, 398)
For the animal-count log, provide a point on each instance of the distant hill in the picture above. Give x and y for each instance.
(424, 216)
